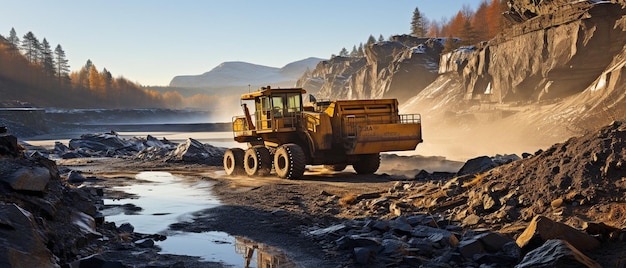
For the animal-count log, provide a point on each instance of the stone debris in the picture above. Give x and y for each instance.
(150, 148)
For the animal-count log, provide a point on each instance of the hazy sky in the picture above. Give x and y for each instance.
(151, 41)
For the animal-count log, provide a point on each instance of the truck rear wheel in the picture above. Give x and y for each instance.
(257, 161)
(336, 167)
(289, 161)
(233, 161)
(367, 164)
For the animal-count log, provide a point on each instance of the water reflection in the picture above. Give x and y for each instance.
(260, 254)
(161, 199)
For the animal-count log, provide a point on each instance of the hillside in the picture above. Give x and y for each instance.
(242, 74)
(554, 74)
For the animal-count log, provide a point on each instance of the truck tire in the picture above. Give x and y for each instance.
(289, 161)
(367, 164)
(257, 161)
(336, 167)
(233, 161)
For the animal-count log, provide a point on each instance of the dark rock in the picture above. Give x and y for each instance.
(101, 143)
(422, 175)
(493, 242)
(71, 155)
(75, 177)
(22, 245)
(126, 228)
(60, 148)
(145, 243)
(556, 253)
(353, 241)
(526, 155)
(9, 146)
(424, 246)
(470, 247)
(28, 179)
(477, 165)
(362, 255)
(196, 152)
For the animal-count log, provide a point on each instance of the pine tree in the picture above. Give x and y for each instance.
(419, 24)
(13, 39)
(370, 40)
(47, 58)
(343, 52)
(381, 38)
(88, 66)
(30, 46)
(354, 52)
(62, 67)
(360, 51)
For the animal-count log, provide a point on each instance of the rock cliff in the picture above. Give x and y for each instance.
(556, 72)
(398, 68)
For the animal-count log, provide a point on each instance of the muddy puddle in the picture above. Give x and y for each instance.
(162, 199)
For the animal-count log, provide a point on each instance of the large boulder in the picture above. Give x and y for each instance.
(22, 243)
(103, 142)
(27, 178)
(556, 253)
(196, 152)
(542, 229)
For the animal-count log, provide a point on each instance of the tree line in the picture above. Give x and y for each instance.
(469, 26)
(31, 71)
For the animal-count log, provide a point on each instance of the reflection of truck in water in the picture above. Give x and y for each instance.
(266, 256)
(285, 135)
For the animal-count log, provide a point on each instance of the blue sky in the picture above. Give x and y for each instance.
(150, 42)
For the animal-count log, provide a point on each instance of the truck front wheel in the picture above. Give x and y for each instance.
(367, 164)
(233, 161)
(289, 161)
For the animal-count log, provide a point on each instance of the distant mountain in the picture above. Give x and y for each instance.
(238, 73)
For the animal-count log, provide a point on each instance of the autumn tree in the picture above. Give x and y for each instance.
(95, 81)
(480, 22)
(419, 25)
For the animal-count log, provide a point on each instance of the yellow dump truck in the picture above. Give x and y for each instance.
(284, 135)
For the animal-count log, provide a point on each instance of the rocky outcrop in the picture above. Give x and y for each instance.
(552, 56)
(398, 68)
(44, 222)
(521, 11)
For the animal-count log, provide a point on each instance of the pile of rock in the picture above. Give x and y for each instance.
(44, 221)
(149, 148)
(432, 241)
(554, 190)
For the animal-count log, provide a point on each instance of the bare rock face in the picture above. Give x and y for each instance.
(525, 10)
(398, 68)
(552, 56)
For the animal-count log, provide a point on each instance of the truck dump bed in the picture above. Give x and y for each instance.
(372, 126)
